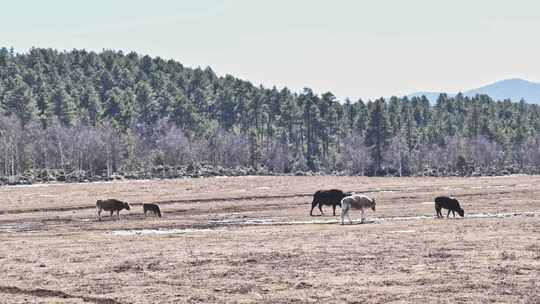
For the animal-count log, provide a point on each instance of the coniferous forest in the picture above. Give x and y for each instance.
(82, 115)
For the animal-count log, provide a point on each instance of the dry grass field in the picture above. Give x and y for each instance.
(251, 240)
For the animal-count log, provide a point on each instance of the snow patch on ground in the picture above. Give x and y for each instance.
(503, 215)
(271, 222)
(162, 231)
(403, 231)
(19, 227)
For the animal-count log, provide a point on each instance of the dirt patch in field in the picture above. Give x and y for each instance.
(53, 294)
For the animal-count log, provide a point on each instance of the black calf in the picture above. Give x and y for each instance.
(448, 203)
(153, 208)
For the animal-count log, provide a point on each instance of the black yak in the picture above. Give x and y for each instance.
(111, 205)
(331, 197)
(445, 202)
(152, 208)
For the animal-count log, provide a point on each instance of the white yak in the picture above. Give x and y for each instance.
(356, 201)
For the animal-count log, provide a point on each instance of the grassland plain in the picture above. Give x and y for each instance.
(251, 240)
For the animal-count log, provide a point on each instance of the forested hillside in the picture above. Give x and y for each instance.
(83, 115)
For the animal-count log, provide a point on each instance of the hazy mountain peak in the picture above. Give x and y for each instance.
(514, 89)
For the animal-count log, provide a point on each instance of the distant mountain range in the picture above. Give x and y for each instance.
(513, 89)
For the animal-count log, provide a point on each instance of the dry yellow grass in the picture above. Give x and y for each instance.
(251, 240)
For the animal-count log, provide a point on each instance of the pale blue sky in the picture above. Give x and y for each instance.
(352, 48)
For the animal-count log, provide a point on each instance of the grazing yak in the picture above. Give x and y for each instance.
(152, 208)
(331, 197)
(356, 201)
(451, 204)
(111, 205)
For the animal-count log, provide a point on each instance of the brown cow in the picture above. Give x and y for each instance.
(111, 205)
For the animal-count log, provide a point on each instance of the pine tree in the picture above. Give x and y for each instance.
(63, 106)
(183, 114)
(409, 133)
(91, 106)
(106, 83)
(394, 115)
(378, 132)
(225, 104)
(147, 106)
(118, 108)
(473, 119)
(44, 105)
(362, 119)
(312, 121)
(350, 113)
(19, 101)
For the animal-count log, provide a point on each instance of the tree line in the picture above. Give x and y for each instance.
(112, 113)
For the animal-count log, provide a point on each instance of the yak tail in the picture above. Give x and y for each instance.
(159, 213)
